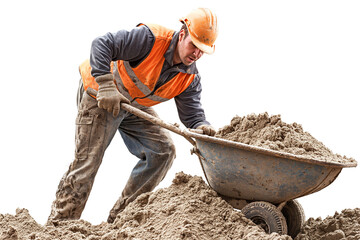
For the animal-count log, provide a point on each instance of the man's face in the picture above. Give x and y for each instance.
(188, 52)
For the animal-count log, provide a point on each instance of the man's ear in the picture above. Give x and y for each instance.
(181, 35)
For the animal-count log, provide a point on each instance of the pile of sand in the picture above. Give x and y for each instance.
(344, 225)
(188, 209)
(270, 132)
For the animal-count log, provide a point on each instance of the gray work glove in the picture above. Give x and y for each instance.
(207, 129)
(108, 96)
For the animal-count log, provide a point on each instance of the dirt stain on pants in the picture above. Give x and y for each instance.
(95, 128)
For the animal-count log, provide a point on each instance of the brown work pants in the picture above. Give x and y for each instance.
(95, 128)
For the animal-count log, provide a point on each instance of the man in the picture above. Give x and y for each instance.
(143, 67)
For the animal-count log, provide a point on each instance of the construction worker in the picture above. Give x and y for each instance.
(145, 66)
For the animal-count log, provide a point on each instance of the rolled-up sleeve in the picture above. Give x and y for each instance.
(189, 107)
(125, 45)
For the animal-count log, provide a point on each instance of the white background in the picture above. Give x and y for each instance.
(299, 59)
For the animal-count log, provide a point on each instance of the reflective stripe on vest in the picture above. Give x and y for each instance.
(141, 80)
(142, 87)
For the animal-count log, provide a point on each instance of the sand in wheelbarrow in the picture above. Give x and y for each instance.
(271, 132)
(188, 209)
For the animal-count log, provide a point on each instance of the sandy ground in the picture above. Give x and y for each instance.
(188, 209)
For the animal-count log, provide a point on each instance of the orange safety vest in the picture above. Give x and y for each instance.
(141, 80)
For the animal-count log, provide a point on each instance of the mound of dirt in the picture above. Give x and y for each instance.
(272, 133)
(344, 225)
(188, 209)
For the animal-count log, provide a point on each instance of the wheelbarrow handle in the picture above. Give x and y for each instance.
(172, 127)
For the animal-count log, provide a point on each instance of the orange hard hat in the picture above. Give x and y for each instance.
(203, 29)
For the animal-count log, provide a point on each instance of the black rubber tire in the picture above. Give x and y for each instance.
(295, 217)
(267, 216)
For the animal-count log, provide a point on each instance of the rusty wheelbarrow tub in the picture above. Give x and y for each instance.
(262, 181)
(247, 172)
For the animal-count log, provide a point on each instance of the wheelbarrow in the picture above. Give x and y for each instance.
(262, 183)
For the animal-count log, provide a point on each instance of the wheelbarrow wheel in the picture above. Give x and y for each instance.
(295, 217)
(267, 216)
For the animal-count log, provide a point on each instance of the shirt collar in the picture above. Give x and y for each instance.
(169, 54)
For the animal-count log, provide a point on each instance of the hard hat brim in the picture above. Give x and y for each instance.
(203, 47)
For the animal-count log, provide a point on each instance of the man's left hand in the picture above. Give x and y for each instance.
(207, 129)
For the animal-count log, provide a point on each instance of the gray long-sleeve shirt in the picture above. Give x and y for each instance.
(134, 46)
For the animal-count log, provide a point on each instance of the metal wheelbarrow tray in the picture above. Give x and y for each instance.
(263, 183)
(253, 173)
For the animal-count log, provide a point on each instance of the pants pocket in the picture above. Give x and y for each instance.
(83, 135)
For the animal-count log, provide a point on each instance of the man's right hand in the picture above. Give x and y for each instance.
(207, 129)
(108, 97)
